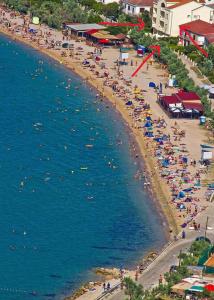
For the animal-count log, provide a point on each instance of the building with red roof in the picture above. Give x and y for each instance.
(202, 32)
(182, 104)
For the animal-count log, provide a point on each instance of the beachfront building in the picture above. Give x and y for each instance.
(182, 104)
(168, 15)
(82, 29)
(202, 32)
(136, 7)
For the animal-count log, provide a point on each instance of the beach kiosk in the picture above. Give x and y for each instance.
(81, 30)
(206, 153)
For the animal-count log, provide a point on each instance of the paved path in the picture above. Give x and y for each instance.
(199, 80)
(169, 256)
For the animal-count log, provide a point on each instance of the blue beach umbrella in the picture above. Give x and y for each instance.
(181, 194)
(148, 124)
(152, 85)
(129, 103)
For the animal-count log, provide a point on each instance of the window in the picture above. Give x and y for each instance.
(142, 9)
(133, 10)
(128, 7)
(163, 4)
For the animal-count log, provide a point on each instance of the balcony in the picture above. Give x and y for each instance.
(154, 20)
(154, 11)
(162, 25)
(162, 14)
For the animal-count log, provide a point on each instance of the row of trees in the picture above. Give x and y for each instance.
(136, 291)
(174, 65)
(205, 64)
(55, 12)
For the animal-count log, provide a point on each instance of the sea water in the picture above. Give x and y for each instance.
(69, 201)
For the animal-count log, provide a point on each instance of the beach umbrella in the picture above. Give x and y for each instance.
(182, 206)
(209, 287)
(31, 30)
(129, 103)
(35, 20)
(65, 45)
(148, 124)
(152, 85)
(187, 190)
(181, 194)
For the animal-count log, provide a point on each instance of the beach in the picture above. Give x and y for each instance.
(102, 78)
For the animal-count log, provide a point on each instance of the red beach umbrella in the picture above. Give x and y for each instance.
(209, 287)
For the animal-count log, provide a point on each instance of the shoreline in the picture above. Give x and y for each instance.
(158, 188)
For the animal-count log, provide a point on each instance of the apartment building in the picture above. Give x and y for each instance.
(168, 15)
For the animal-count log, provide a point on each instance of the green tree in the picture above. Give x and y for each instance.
(146, 17)
(133, 290)
(111, 10)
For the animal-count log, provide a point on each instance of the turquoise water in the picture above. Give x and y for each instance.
(64, 208)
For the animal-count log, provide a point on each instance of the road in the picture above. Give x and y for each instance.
(168, 257)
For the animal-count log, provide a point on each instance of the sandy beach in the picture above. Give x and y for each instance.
(117, 87)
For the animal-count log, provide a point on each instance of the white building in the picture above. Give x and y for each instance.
(136, 7)
(168, 15)
(108, 1)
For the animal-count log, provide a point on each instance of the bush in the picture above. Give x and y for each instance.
(193, 56)
(198, 247)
